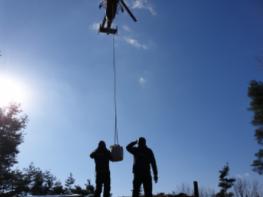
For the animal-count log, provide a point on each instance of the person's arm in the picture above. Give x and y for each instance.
(93, 154)
(154, 167)
(130, 147)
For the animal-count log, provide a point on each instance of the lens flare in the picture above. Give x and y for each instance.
(11, 91)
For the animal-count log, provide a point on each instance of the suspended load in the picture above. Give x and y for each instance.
(116, 152)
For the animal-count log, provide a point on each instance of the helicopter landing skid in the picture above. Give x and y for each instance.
(108, 30)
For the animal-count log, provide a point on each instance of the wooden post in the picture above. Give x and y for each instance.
(196, 191)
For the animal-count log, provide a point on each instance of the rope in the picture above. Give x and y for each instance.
(116, 137)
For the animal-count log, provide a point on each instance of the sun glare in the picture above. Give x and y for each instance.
(11, 91)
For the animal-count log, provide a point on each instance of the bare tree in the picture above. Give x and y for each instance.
(207, 192)
(256, 190)
(245, 188)
(185, 189)
(241, 188)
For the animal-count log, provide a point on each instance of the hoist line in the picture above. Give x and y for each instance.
(116, 137)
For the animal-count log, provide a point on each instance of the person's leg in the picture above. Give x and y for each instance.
(147, 185)
(99, 182)
(136, 186)
(106, 192)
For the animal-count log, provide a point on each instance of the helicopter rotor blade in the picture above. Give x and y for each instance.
(128, 10)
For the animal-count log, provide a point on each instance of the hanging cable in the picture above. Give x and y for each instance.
(116, 137)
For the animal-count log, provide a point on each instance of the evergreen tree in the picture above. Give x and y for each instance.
(69, 183)
(78, 190)
(225, 183)
(12, 124)
(89, 188)
(49, 181)
(255, 92)
(39, 182)
(19, 183)
(58, 188)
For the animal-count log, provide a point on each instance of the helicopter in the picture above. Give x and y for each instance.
(111, 7)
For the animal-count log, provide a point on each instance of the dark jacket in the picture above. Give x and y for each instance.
(102, 157)
(143, 160)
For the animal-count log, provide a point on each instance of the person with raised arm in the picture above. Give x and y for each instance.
(144, 160)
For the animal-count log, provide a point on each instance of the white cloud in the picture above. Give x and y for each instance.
(244, 175)
(144, 4)
(126, 28)
(142, 81)
(135, 43)
(95, 26)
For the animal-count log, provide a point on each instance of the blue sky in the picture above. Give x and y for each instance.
(183, 73)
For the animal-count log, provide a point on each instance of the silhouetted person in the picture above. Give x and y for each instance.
(143, 161)
(102, 157)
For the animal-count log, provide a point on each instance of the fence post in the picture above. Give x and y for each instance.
(196, 191)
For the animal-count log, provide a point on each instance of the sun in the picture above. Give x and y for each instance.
(11, 91)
